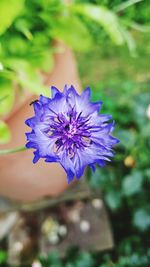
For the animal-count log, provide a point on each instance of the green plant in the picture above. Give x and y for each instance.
(28, 29)
(3, 257)
(125, 183)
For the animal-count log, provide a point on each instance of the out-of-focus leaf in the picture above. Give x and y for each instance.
(6, 96)
(44, 60)
(34, 84)
(101, 178)
(18, 46)
(84, 260)
(139, 27)
(103, 16)
(8, 12)
(141, 219)
(113, 199)
(129, 40)
(1, 66)
(3, 98)
(132, 183)
(126, 4)
(3, 256)
(147, 174)
(27, 77)
(73, 32)
(139, 106)
(69, 264)
(53, 259)
(127, 138)
(5, 134)
(145, 131)
(22, 25)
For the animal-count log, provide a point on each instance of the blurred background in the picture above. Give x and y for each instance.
(110, 40)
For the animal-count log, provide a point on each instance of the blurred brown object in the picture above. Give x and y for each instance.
(90, 232)
(75, 218)
(20, 179)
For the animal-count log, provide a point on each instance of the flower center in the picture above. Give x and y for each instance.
(71, 132)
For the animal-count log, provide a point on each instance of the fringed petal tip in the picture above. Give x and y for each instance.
(70, 176)
(31, 144)
(36, 157)
(92, 166)
(44, 100)
(54, 91)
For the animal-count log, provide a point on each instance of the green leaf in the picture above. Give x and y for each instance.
(129, 41)
(8, 12)
(69, 264)
(3, 256)
(18, 46)
(139, 107)
(141, 219)
(126, 4)
(147, 174)
(132, 183)
(1, 66)
(23, 26)
(5, 134)
(99, 178)
(3, 98)
(44, 60)
(6, 96)
(28, 77)
(53, 259)
(47, 61)
(103, 16)
(127, 138)
(84, 260)
(139, 27)
(113, 199)
(72, 31)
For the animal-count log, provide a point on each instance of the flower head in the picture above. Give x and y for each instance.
(68, 129)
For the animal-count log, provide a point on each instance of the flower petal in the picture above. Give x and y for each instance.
(68, 166)
(67, 128)
(55, 91)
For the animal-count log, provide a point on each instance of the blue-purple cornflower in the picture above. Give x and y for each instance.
(68, 129)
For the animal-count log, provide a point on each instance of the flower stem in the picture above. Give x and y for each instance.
(12, 150)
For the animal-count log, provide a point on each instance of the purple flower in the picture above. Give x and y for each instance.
(68, 129)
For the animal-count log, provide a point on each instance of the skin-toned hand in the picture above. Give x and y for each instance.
(20, 179)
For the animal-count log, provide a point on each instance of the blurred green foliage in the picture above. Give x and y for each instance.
(4, 132)
(123, 84)
(28, 28)
(125, 181)
(3, 257)
(12, 10)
